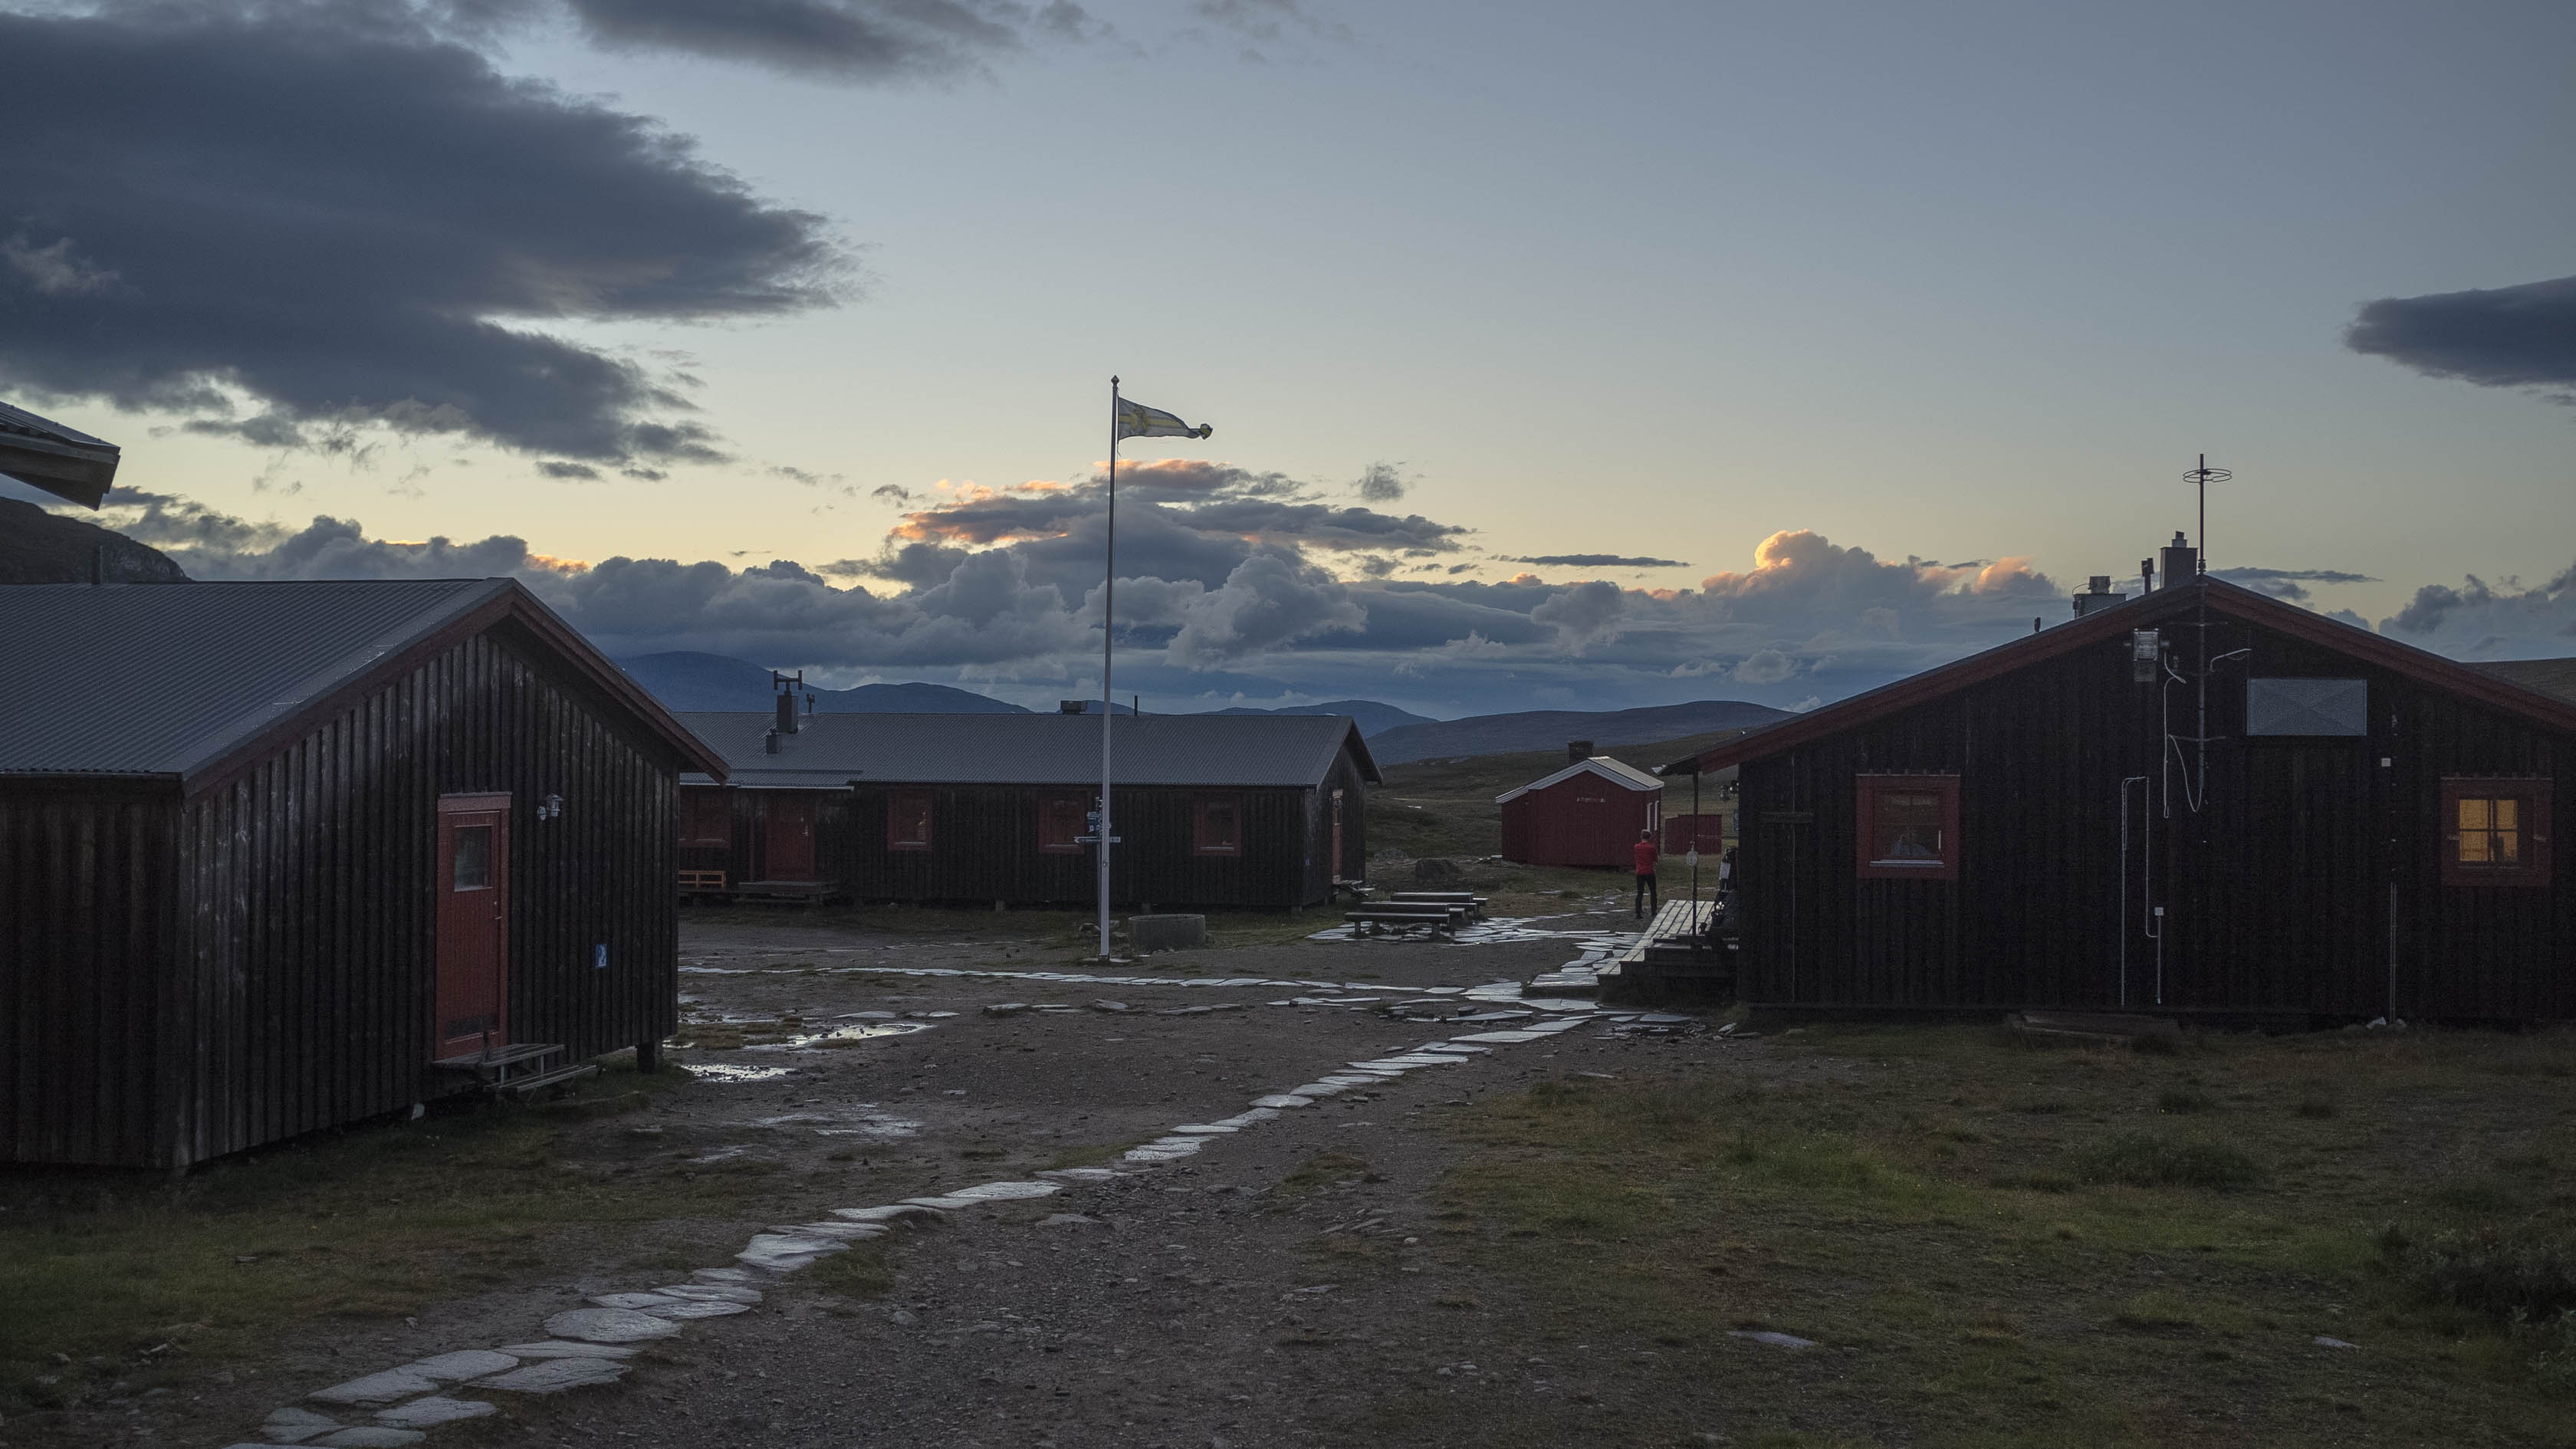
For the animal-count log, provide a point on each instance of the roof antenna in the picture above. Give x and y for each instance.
(2203, 476)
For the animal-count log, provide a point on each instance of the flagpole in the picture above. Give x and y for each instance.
(1108, 592)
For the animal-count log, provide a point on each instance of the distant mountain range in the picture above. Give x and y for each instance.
(687, 681)
(1374, 718)
(1501, 734)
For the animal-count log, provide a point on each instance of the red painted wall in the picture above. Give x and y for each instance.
(1585, 820)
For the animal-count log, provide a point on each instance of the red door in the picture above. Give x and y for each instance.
(473, 923)
(790, 820)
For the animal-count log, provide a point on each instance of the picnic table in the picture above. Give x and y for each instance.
(1439, 918)
(1475, 904)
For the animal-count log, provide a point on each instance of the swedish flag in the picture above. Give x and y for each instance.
(1135, 420)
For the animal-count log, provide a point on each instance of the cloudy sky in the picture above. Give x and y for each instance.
(1558, 356)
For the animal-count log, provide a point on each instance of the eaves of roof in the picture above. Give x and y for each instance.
(1626, 777)
(2104, 625)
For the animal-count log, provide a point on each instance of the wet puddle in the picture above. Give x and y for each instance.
(726, 1072)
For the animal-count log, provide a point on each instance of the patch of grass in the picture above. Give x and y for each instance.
(2021, 1255)
(865, 1271)
(2154, 1159)
(2316, 1109)
(371, 1222)
(2185, 1101)
(1323, 1170)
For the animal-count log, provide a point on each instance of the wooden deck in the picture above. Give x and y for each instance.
(1673, 960)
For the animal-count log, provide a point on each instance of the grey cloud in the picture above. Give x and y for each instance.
(1380, 483)
(2522, 336)
(2479, 620)
(2290, 584)
(1584, 615)
(324, 209)
(1594, 561)
(867, 40)
(582, 472)
(1268, 601)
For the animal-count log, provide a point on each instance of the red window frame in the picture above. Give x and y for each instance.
(1207, 838)
(2532, 825)
(706, 815)
(1867, 857)
(903, 805)
(1061, 818)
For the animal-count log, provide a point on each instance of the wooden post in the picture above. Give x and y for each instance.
(648, 1056)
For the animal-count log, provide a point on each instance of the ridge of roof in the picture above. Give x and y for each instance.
(224, 703)
(2109, 623)
(829, 750)
(1617, 772)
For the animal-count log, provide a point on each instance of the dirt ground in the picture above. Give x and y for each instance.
(1287, 1285)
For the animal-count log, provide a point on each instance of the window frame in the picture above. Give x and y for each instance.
(715, 801)
(1200, 844)
(1866, 793)
(2532, 799)
(929, 820)
(1047, 804)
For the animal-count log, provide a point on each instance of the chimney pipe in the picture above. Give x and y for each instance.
(786, 718)
(2147, 574)
(2179, 560)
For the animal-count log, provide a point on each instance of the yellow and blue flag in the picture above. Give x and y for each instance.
(1135, 420)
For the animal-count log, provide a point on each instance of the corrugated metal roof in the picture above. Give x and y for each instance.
(160, 679)
(1030, 749)
(1625, 776)
(2548, 676)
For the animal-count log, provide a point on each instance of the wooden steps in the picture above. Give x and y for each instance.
(517, 1070)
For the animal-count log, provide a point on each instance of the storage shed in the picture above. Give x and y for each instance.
(1211, 810)
(1589, 813)
(271, 852)
(2200, 802)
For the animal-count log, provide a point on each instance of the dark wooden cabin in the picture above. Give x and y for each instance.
(2369, 831)
(1210, 810)
(268, 851)
(1589, 813)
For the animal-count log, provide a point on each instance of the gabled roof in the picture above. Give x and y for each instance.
(831, 750)
(2106, 625)
(192, 682)
(65, 462)
(2555, 677)
(1626, 777)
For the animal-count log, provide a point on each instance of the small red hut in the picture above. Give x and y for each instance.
(1589, 813)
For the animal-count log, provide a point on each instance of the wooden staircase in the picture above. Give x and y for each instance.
(519, 1070)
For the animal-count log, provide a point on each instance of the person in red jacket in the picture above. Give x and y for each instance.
(1646, 854)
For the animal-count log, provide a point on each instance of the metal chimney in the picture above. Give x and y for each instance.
(2097, 595)
(2179, 560)
(787, 716)
(2147, 574)
(1577, 751)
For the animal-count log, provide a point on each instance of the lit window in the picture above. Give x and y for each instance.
(2495, 832)
(1062, 820)
(1908, 827)
(1220, 826)
(908, 820)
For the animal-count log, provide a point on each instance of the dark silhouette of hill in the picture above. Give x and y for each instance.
(685, 679)
(1545, 729)
(1374, 718)
(37, 547)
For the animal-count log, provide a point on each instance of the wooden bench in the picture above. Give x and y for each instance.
(1440, 920)
(1475, 904)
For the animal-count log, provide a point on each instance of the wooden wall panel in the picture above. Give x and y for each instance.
(2277, 887)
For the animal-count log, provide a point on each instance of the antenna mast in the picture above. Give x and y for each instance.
(2203, 476)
